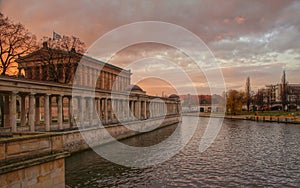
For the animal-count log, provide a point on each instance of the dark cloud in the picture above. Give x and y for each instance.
(247, 37)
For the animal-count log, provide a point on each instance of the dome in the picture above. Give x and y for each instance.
(174, 96)
(134, 88)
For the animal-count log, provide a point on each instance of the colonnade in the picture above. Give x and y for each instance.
(47, 112)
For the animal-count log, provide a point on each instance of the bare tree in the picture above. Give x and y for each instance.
(61, 56)
(15, 41)
(248, 93)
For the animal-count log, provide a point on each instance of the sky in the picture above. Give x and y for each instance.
(253, 38)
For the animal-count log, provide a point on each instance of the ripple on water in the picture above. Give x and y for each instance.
(245, 153)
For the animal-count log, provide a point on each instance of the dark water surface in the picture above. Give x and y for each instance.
(244, 154)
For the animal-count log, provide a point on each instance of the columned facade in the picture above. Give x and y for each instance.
(36, 110)
(40, 103)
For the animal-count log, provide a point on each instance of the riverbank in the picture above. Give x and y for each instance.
(260, 118)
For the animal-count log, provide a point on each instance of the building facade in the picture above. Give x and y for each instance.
(49, 96)
(271, 96)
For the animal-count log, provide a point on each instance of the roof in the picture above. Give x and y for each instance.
(174, 96)
(133, 87)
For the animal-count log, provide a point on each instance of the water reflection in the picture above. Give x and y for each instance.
(244, 153)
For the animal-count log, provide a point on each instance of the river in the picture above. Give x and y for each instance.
(244, 154)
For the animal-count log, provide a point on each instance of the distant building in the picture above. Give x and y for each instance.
(270, 97)
(202, 103)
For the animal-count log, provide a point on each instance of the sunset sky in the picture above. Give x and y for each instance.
(253, 38)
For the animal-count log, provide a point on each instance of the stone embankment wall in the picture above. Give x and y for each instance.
(32, 160)
(74, 141)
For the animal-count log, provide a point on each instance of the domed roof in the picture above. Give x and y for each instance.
(133, 87)
(174, 96)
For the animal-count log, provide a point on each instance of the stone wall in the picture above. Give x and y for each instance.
(49, 174)
(26, 145)
(73, 140)
(32, 160)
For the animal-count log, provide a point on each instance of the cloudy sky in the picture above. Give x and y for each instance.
(253, 38)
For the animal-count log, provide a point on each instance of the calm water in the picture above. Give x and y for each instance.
(244, 154)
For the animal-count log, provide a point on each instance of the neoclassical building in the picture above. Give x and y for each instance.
(48, 64)
(42, 98)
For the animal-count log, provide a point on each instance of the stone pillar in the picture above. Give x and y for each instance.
(138, 109)
(91, 110)
(37, 110)
(101, 80)
(23, 110)
(91, 73)
(6, 111)
(81, 109)
(47, 112)
(60, 112)
(125, 110)
(120, 105)
(84, 75)
(145, 109)
(132, 110)
(87, 74)
(148, 110)
(31, 112)
(111, 111)
(99, 108)
(105, 110)
(50, 109)
(13, 111)
(70, 108)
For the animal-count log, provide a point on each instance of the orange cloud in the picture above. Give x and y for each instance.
(240, 20)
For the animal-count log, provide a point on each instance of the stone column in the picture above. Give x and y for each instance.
(23, 110)
(125, 110)
(6, 111)
(138, 109)
(47, 112)
(91, 110)
(13, 111)
(37, 110)
(158, 109)
(31, 112)
(84, 72)
(92, 84)
(109, 81)
(119, 109)
(60, 112)
(50, 109)
(70, 109)
(88, 80)
(81, 108)
(132, 112)
(148, 110)
(145, 109)
(105, 110)
(101, 80)
(111, 111)
(100, 108)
